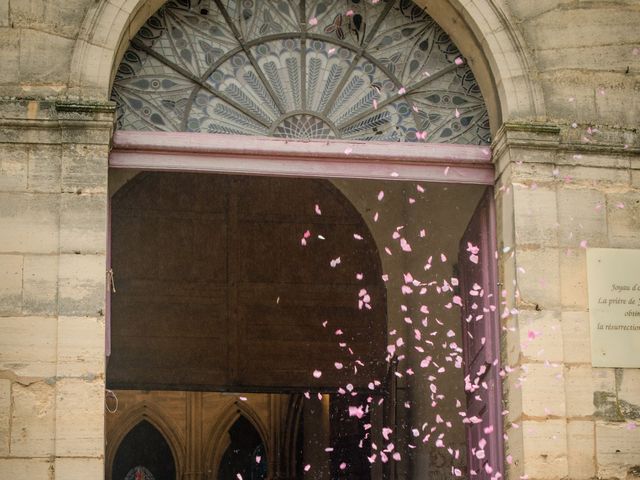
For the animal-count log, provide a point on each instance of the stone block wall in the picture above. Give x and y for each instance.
(53, 212)
(565, 418)
(587, 58)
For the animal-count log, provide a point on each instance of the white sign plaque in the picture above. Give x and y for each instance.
(614, 307)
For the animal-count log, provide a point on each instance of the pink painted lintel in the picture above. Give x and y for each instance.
(197, 152)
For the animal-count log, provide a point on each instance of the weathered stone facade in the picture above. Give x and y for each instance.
(562, 83)
(556, 190)
(54, 199)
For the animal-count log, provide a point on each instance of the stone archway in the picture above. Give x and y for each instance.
(218, 440)
(273, 125)
(481, 29)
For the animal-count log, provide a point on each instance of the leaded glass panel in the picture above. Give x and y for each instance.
(352, 69)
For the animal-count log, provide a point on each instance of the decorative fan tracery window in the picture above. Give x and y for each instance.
(350, 69)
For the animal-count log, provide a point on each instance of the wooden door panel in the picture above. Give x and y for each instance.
(157, 290)
(220, 290)
(264, 198)
(272, 252)
(134, 246)
(175, 192)
(198, 317)
(173, 249)
(168, 362)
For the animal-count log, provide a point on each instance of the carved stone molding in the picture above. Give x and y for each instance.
(47, 122)
(576, 145)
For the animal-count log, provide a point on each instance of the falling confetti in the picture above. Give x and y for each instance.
(427, 333)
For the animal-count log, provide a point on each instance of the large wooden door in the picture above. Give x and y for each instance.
(481, 333)
(215, 290)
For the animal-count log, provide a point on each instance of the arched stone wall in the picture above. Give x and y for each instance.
(493, 45)
(481, 30)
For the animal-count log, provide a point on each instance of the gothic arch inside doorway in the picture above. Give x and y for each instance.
(238, 445)
(210, 70)
(144, 454)
(129, 418)
(245, 453)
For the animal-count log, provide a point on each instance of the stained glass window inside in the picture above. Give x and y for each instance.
(348, 69)
(139, 473)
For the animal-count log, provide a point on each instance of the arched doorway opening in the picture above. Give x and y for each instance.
(245, 453)
(166, 297)
(144, 454)
(215, 70)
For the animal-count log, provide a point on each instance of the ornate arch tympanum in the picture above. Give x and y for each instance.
(357, 70)
(482, 29)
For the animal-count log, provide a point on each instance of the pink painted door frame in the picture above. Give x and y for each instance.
(197, 152)
(481, 341)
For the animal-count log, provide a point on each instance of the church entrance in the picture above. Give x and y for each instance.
(303, 279)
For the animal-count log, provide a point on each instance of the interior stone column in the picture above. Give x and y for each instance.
(317, 437)
(194, 469)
